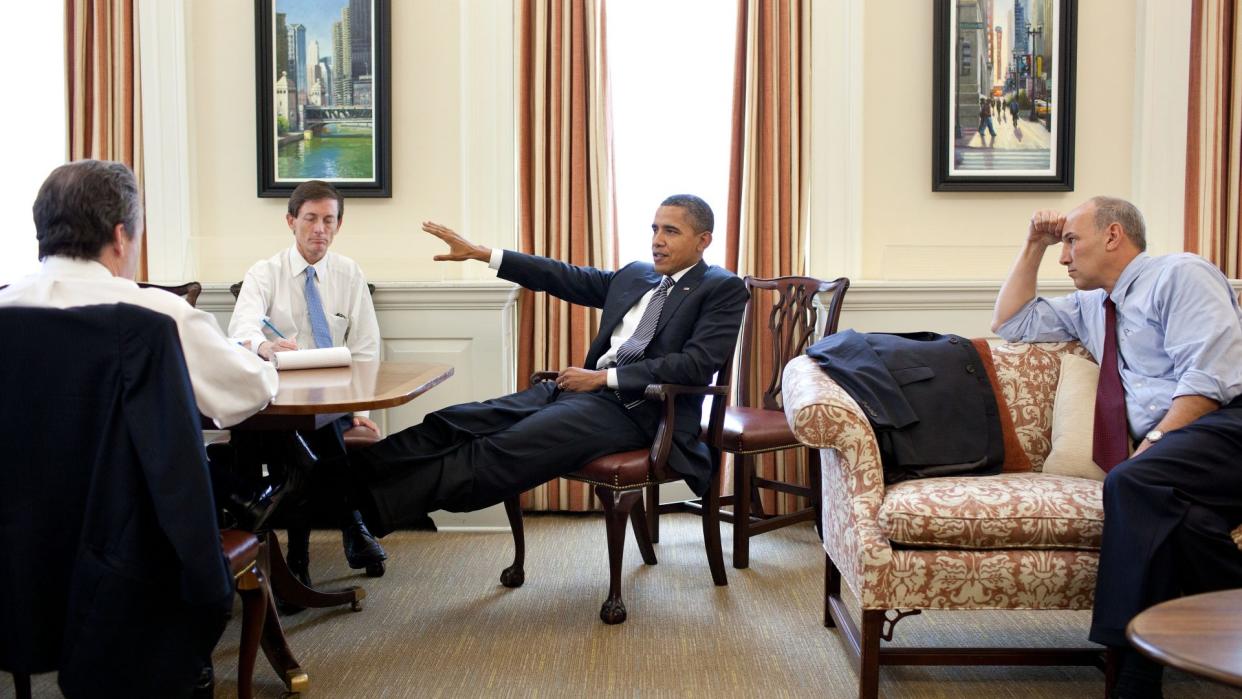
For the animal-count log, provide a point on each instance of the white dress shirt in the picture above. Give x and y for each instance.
(621, 333)
(276, 288)
(230, 383)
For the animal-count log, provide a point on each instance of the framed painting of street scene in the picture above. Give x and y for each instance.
(322, 82)
(1003, 102)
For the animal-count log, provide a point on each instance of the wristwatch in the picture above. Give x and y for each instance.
(1154, 436)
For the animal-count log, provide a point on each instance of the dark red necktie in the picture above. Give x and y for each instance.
(1111, 438)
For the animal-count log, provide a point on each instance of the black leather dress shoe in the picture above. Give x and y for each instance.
(362, 550)
(252, 513)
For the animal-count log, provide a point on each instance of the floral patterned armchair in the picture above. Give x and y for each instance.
(1017, 540)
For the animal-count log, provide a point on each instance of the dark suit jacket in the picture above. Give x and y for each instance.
(696, 334)
(111, 570)
(927, 396)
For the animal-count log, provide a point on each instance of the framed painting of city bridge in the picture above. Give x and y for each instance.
(323, 89)
(1003, 95)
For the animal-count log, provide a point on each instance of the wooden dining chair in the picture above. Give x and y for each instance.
(620, 480)
(755, 425)
(188, 291)
(111, 543)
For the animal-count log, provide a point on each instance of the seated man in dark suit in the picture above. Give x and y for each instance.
(674, 320)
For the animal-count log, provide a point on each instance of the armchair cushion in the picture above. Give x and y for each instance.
(1008, 511)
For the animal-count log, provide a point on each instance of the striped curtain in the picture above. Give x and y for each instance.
(766, 234)
(1214, 135)
(104, 96)
(566, 189)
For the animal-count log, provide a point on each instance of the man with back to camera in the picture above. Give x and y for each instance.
(674, 320)
(312, 298)
(1167, 333)
(88, 221)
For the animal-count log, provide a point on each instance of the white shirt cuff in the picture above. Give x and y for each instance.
(498, 255)
(613, 383)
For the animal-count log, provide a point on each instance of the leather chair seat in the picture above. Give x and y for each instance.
(624, 469)
(756, 429)
(240, 549)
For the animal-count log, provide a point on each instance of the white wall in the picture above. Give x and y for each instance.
(452, 142)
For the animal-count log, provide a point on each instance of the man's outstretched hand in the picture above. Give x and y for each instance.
(459, 248)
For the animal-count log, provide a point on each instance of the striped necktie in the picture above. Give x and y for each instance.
(635, 347)
(314, 307)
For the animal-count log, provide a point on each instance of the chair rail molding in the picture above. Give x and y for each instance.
(165, 140)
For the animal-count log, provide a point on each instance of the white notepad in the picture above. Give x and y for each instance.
(311, 358)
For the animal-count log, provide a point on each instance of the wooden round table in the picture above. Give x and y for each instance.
(1200, 634)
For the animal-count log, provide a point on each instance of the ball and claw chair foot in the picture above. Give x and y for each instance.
(513, 576)
(613, 611)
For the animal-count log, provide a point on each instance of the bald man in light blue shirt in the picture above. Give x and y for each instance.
(1169, 508)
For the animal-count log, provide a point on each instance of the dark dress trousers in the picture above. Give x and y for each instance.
(927, 396)
(473, 455)
(1170, 511)
(110, 564)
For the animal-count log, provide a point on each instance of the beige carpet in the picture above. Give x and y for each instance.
(439, 624)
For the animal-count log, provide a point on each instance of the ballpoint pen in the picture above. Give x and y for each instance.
(271, 327)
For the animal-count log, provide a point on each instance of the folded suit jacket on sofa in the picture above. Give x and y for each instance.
(900, 381)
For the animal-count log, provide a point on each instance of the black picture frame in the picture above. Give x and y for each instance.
(346, 105)
(965, 58)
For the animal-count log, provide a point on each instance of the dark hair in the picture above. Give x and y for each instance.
(314, 190)
(79, 205)
(700, 213)
(1110, 210)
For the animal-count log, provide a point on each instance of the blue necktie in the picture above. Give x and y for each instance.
(314, 306)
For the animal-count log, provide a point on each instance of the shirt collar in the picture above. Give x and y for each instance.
(1127, 277)
(676, 276)
(298, 264)
(77, 268)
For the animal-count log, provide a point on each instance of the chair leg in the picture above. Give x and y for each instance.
(742, 470)
(250, 587)
(515, 575)
(276, 647)
(817, 491)
(711, 531)
(21, 685)
(638, 519)
(617, 508)
(653, 512)
(869, 654)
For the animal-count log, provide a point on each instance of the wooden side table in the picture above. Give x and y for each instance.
(1200, 634)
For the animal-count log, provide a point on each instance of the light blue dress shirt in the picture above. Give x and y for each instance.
(1179, 332)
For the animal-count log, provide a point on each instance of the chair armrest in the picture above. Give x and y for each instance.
(667, 393)
(541, 376)
(822, 415)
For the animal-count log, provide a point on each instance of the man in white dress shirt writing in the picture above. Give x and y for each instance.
(313, 298)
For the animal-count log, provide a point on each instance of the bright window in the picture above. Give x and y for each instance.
(671, 64)
(34, 124)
